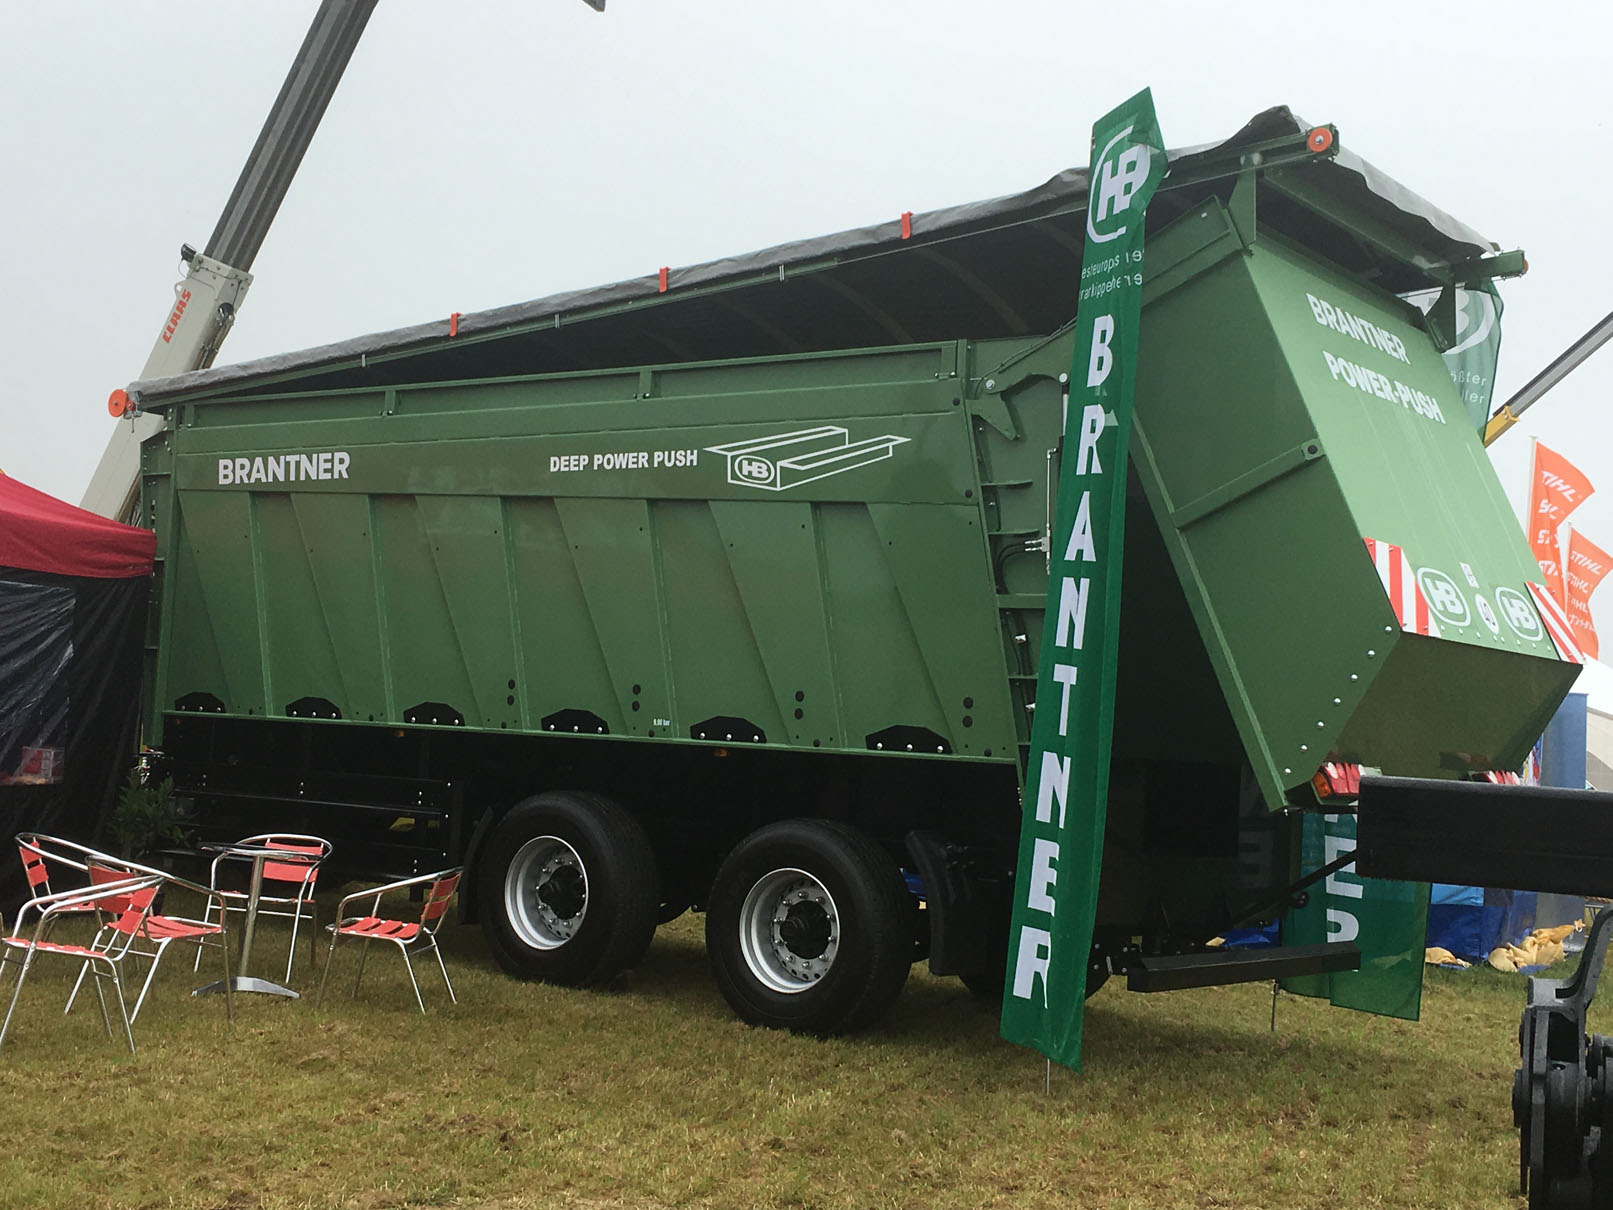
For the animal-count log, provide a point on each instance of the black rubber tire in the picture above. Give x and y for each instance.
(872, 927)
(576, 944)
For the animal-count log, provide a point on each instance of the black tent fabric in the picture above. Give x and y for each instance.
(73, 594)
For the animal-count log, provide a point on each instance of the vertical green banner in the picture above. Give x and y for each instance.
(1067, 776)
(1472, 360)
(1388, 920)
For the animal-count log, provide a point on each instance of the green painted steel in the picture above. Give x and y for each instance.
(1275, 434)
(798, 544)
(829, 546)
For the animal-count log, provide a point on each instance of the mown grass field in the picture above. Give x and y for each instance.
(651, 1095)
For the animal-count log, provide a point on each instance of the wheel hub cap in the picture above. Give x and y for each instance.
(789, 930)
(546, 892)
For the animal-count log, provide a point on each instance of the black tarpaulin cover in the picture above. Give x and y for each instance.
(73, 592)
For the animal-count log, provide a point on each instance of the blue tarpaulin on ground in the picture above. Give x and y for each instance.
(1472, 921)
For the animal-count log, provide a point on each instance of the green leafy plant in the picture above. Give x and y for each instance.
(146, 815)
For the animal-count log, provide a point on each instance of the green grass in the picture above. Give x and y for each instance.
(652, 1095)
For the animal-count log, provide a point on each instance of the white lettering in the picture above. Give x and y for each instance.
(1102, 361)
(226, 472)
(340, 463)
(243, 470)
(1086, 452)
(1054, 783)
(324, 466)
(1035, 954)
(1072, 613)
(258, 474)
(1081, 533)
(1335, 847)
(1043, 876)
(1064, 674)
(1341, 926)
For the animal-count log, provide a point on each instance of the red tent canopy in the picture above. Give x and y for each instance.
(41, 533)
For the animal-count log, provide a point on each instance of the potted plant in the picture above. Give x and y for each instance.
(146, 816)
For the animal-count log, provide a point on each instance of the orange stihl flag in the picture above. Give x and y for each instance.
(1556, 489)
(1587, 564)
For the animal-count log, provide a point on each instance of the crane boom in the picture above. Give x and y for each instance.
(1507, 414)
(217, 279)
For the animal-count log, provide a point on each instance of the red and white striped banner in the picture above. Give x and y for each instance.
(1557, 625)
(1410, 606)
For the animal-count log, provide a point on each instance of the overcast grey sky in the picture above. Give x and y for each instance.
(483, 152)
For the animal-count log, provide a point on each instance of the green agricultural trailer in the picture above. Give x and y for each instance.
(723, 588)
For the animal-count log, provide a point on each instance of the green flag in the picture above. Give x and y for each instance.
(1470, 318)
(1388, 920)
(1067, 776)
(1472, 359)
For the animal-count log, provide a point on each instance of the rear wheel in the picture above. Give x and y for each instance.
(568, 889)
(809, 928)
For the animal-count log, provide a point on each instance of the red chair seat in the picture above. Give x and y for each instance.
(374, 926)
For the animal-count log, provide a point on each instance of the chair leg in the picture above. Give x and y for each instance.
(363, 953)
(151, 974)
(123, 1005)
(229, 984)
(313, 935)
(291, 950)
(207, 918)
(415, 983)
(330, 958)
(453, 999)
(27, 961)
(95, 944)
(100, 995)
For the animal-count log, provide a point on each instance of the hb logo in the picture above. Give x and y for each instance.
(1520, 615)
(1122, 171)
(756, 470)
(1444, 598)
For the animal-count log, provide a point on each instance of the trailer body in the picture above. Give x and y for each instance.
(753, 632)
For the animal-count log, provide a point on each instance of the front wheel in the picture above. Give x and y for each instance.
(568, 889)
(809, 928)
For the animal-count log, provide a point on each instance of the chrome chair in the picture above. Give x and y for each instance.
(412, 936)
(127, 900)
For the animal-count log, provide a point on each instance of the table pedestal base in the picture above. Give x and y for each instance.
(246, 983)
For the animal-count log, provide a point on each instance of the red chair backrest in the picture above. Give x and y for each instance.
(130, 908)
(303, 872)
(100, 875)
(438, 898)
(33, 865)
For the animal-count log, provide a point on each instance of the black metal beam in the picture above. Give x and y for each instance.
(1173, 972)
(1527, 838)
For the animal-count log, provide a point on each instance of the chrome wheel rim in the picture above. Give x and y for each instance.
(789, 931)
(546, 892)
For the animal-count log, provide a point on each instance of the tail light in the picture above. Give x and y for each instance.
(1337, 780)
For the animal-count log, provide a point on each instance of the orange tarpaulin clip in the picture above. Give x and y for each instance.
(662, 280)
(453, 324)
(907, 224)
